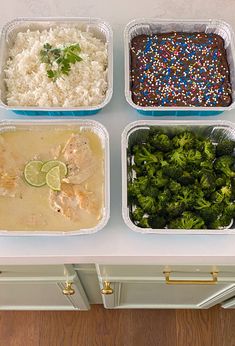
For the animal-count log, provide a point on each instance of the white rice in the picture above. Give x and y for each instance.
(27, 80)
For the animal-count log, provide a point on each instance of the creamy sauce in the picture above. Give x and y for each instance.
(29, 209)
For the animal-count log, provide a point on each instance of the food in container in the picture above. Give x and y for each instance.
(179, 65)
(178, 177)
(57, 64)
(53, 177)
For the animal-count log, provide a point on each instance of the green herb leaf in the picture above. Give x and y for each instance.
(64, 58)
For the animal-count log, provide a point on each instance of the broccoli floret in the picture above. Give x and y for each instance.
(186, 178)
(136, 188)
(202, 203)
(184, 140)
(164, 198)
(178, 157)
(151, 169)
(174, 186)
(225, 148)
(159, 180)
(147, 203)
(175, 208)
(143, 155)
(223, 194)
(224, 164)
(161, 142)
(229, 211)
(137, 214)
(157, 222)
(221, 180)
(193, 157)
(172, 171)
(222, 222)
(207, 180)
(188, 220)
(144, 222)
(186, 196)
(211, 213)
(207, 164)
(208, 151)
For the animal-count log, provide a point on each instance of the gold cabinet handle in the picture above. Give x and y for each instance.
(68, 290)
(170, 281)
(107, 289)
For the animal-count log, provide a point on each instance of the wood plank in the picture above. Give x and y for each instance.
(100, 327)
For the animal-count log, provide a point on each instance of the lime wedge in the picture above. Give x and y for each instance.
(47, 166)
(33, 174)
(53, 179)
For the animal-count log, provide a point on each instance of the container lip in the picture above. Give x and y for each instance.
(124, 145)
(89, 20)
(80, 122)
(149, 20)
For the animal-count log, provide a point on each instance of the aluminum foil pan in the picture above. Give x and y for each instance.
(91, 125)
(137, 131)
(99, 28)
(150, 26)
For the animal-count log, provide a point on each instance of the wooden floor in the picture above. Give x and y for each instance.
(100, 327)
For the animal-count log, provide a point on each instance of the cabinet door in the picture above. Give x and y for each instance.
(152, 287)
(34, 292)
(137, 294)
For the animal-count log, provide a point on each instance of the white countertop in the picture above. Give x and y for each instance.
(116, 243)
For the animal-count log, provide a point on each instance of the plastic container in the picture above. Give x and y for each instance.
(136, 132)
(99, 28)
(149, 26)
(90, 125)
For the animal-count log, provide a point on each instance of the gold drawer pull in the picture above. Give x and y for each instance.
(107, 289)
(68, 290)
(213, 281)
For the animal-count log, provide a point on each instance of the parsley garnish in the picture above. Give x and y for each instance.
(63, 57)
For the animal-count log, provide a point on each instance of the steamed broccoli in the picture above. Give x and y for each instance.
(147, 203)
(188, 220)
(211, 213)
(184, 140)
(144, 222)
(144, 156)
(175, 208)
(172, 171)
(194, 156)
(161, 142)
(157, 221)
(159, 180)
(178, 157)
(181, 181)
(224, 164)
(225, 148)
(186, 178)
(208, 150)
(137, 214)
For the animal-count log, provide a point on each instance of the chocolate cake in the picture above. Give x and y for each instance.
(180, 69)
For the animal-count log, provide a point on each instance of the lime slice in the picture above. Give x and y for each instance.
(33, 174)
(47, 166)
(53, 179)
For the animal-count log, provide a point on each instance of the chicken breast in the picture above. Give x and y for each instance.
(73, 198)
(80, 160)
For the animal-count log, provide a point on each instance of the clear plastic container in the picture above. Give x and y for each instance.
(136, 131)
(99, 28)
(66, 124)
(149, 26)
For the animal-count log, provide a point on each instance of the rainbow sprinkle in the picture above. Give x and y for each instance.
(180, 69)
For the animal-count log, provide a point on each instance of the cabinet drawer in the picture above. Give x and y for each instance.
(25, 272)
(155, 272)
